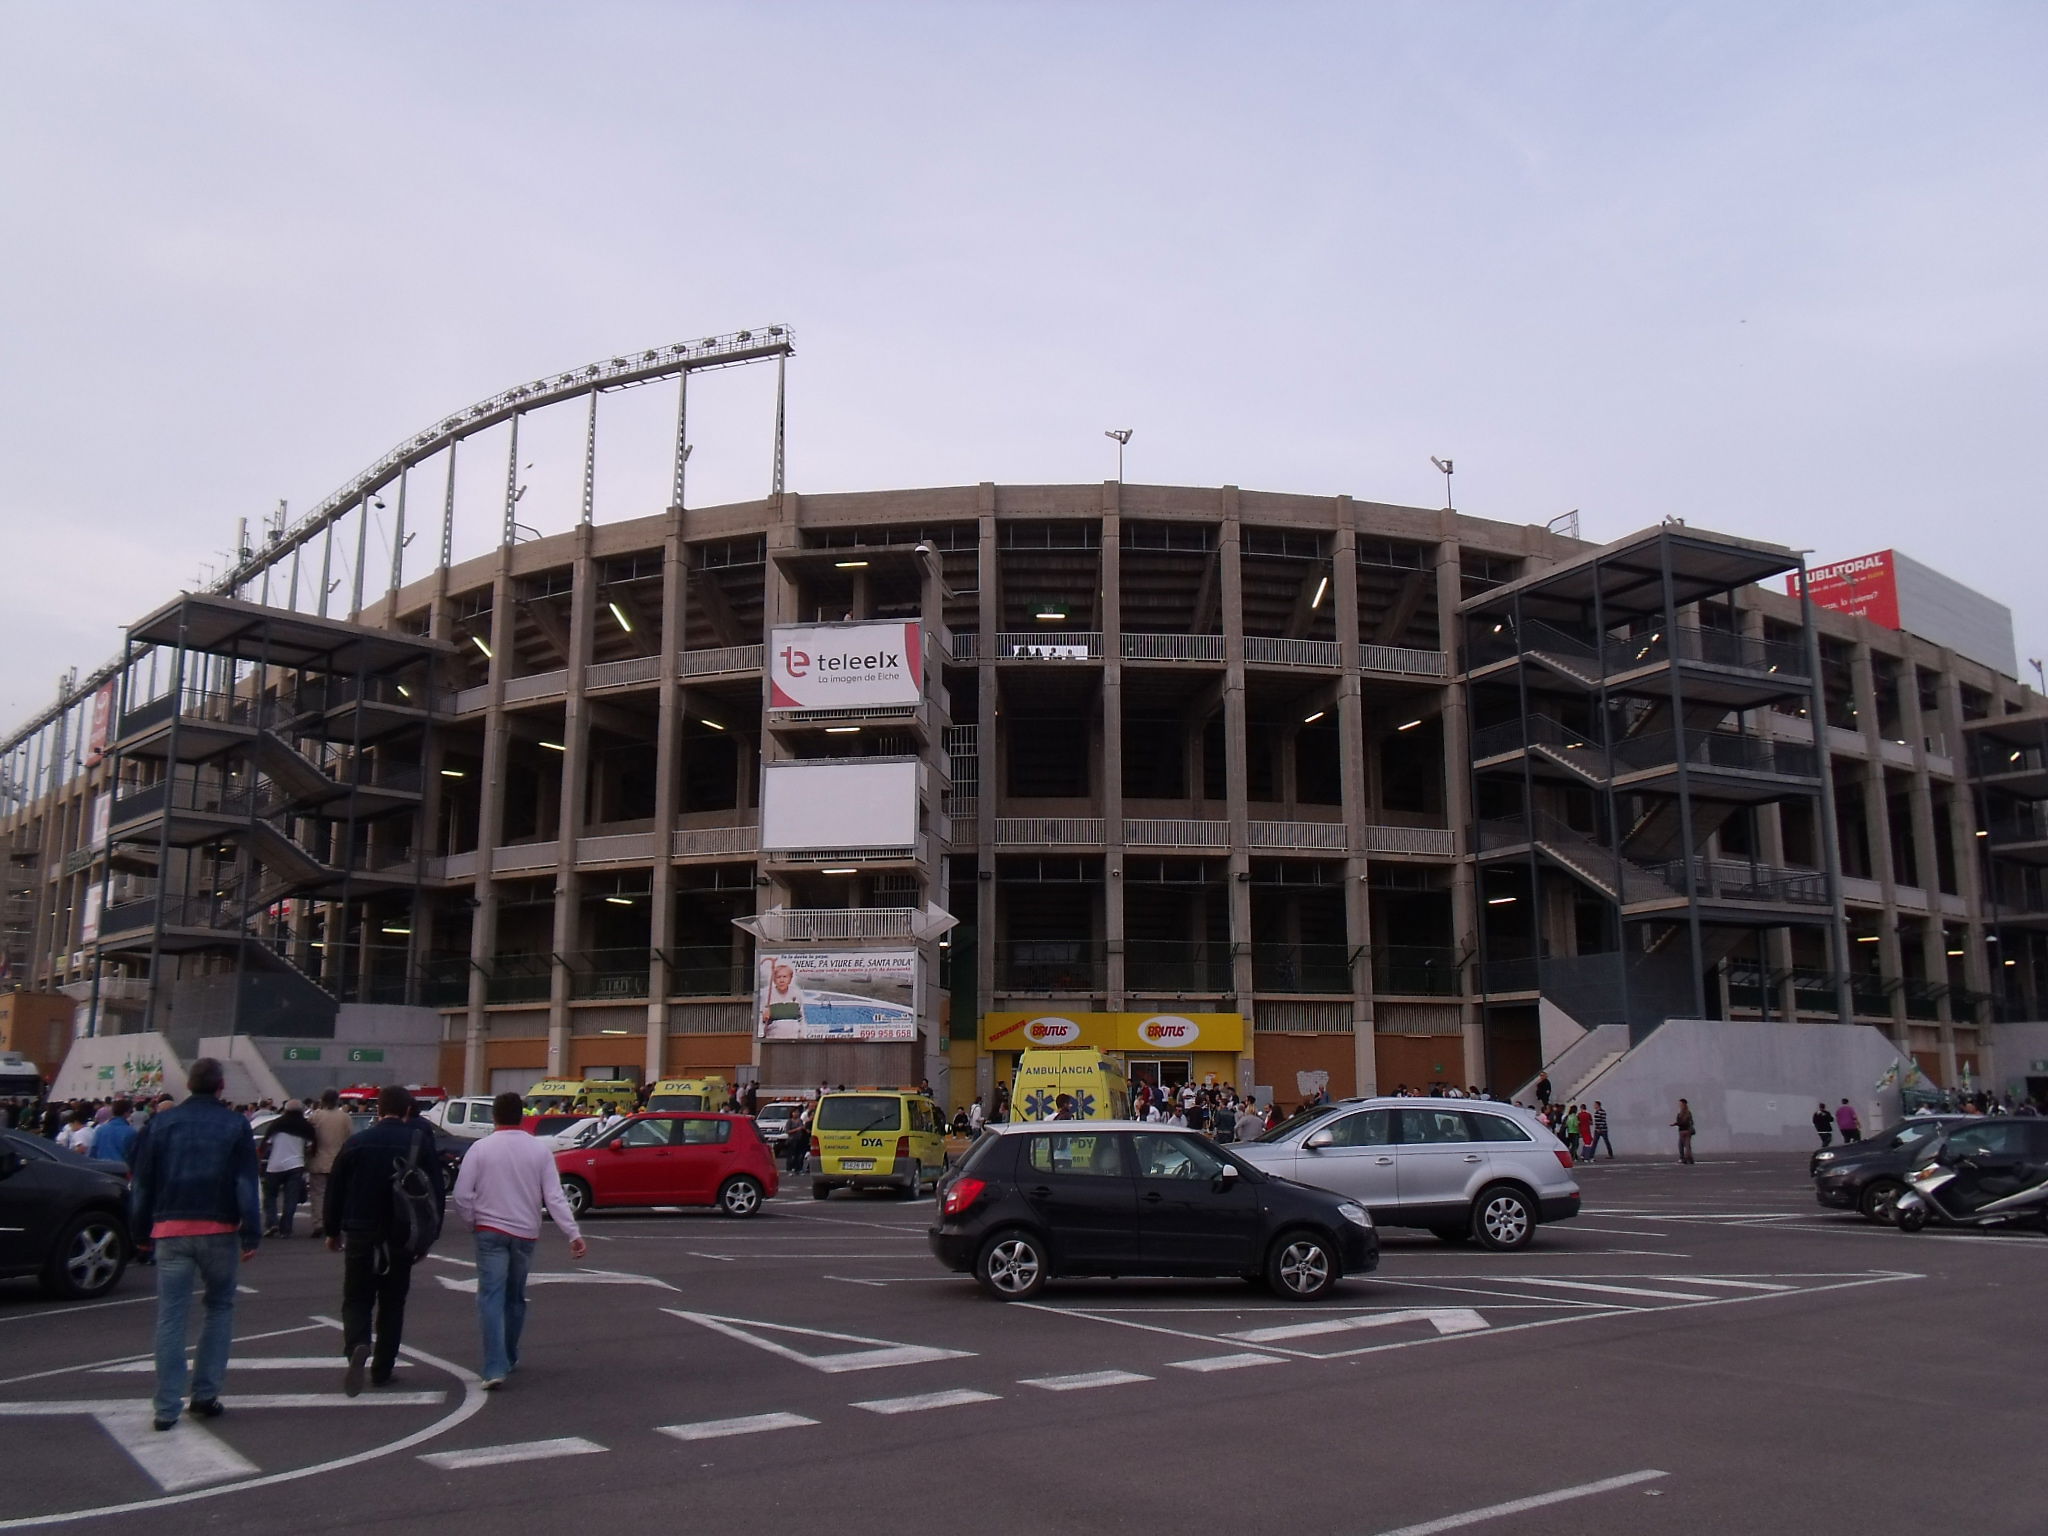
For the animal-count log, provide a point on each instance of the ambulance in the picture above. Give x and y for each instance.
(700, 1093)
(876, 1138)
(1096, 1085)
(588, 1096)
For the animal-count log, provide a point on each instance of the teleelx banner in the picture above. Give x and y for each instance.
(836, 994)
(833, 666)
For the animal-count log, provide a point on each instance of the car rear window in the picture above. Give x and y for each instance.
(861, 1112)
(982, 1153)
(1099, 1155)
(703, 1133)
(1495, 1128)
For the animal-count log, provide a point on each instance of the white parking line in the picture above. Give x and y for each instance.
(720, 1429)
(187, 1456)
(500, 1455)
(1734, 1285)
(923, 1400)
(1523, 1506)
(1612, 1290)
(1083, 1381)
(1446, 1320)
(275, 1363)
(1225, 1362)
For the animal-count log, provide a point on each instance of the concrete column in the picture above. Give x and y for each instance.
(668, 772)
(1111, 800)
(483, 939)
(1877, 830)
(1230, 569)
(1353, 721)
(1450, 591)
(994, 779)
(569, 816)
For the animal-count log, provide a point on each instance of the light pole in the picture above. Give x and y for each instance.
(1445, 466)
(1122, 436)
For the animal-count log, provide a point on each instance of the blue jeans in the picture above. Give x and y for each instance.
(502, 1263)
(283, 1194)
(180, 1262)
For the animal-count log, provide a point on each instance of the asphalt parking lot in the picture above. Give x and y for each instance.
(1704, 1351)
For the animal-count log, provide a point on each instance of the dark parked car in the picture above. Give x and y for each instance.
(1868, 1175)
(62, 1218)
(1124, 1198)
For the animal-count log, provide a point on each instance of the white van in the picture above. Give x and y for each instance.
(466, 1116)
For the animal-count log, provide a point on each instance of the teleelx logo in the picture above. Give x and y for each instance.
(1169, 1029)
(830, 666)
(1052, 1031)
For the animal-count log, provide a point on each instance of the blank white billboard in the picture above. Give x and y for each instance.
(839, 804)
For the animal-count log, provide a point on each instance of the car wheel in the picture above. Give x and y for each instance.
(1878, 1199)
(1502, 1219)
(1451, 1235)
(821, 1191)
(1011, 1266)
(88, 1258)
(739, 1197)
(915, 1187)
(1301, 1266)
(579, 1196)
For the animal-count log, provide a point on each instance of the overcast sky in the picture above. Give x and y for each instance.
(1776, 269)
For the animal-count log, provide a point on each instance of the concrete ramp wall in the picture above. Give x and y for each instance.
(1753, 1086)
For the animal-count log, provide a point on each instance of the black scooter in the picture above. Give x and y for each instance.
(1974, 1189)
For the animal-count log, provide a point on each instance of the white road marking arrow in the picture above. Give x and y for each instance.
(876, 1354)
(1446, 1320)
(568, 1277)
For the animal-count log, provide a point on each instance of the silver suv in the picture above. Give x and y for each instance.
(1463, 1168)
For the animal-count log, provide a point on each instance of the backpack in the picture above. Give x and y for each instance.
(415, 1213)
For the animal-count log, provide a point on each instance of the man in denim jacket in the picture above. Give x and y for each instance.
(193, 1201)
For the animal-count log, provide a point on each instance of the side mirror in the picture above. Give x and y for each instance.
(1225, 1177)
(1317, 1142)
(616, 1144)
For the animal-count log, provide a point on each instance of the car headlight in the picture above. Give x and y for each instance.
(1823, 1157)
(1357, 1215)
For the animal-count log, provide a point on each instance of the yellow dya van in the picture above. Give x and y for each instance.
(702, 1093)
(1097, 1085)
(871, 1138)
(587, 1096)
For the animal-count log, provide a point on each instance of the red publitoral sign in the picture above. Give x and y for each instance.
(1866, 587)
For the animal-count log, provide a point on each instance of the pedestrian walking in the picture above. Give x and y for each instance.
(1824, 1125)
(796, 1139)
(1847, 1123)
(283, 1153)
(1543, 1089)
(192, 1199)
(331, 1131)
(363, 1222)
(1600, 1131)
(1684, 1124)
(1585, 1136)
(506, 1180)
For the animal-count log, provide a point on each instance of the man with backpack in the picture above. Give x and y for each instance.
(383, 1211)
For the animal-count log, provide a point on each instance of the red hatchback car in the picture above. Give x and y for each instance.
(672, 1159)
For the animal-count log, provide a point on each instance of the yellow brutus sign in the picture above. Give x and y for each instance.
(1171, 1033)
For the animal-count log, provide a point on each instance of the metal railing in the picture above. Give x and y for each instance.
(1279, 967)
(538, 685)
(1714, 749)
(1270, 649)
(1176, 833)
(816, 925)
(1153, 647)
(1417, 970)
(707, 970)
(1327, 836)
(608, 973)
(1401, 659)
(1050, 965)
(1171, 966)
(1435, 841)
(615, 674)
(1061, 645)
(2027, 825)
(697, 841)
(1074, 831)
(1734, 880)
(723, 658)
(519, 978)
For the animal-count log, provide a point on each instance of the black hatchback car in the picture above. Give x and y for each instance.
(1868, 1175)
(62, 1218)
(1125, 1198)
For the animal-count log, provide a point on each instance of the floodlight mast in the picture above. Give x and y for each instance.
(1122, 435)
(775, 343)
(1445, 466)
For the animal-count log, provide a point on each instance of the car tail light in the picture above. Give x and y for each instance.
(962, 1193)
(816, 1150)
(1564, 1158)
(902, 1148)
